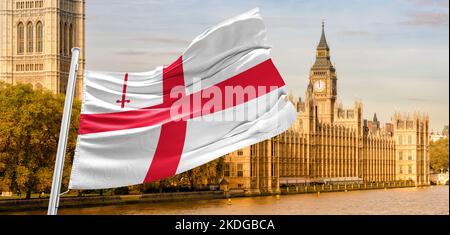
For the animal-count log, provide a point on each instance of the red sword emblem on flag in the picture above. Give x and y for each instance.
(124, 93)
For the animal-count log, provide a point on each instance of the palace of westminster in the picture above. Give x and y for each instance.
(36, 38)
(327, 143)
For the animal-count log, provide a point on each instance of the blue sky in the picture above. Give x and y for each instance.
(393, 54)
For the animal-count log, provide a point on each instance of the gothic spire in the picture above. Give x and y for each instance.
(323, 53)
(323, 41)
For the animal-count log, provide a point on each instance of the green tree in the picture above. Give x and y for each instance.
(29, 130)
(439, 155)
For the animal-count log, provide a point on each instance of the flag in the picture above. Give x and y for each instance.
(222, 94)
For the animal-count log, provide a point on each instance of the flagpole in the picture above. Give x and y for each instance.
(63, 133)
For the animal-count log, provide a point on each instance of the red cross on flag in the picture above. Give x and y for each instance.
(223, 93)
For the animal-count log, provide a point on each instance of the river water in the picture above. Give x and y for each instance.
(423, 200)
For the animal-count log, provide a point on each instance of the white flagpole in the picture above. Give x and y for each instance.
(63, 133)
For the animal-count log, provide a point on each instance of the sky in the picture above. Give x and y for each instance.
(392, 54)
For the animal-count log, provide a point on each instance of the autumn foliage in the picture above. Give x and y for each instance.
(29, 130)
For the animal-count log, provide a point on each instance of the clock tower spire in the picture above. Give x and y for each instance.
(324, 81)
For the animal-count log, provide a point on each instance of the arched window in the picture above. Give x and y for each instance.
(71, 39)
(20, 38)
(61, 38)
(400, 140)
(409, 139)
(39, 35)
(65, 38)
(30, 37)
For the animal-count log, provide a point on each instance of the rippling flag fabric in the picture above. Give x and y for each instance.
(142, 127)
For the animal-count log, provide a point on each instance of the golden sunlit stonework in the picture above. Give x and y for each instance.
(328, 142)
(36, 38)
(331, 143)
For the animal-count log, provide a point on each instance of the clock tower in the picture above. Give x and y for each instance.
(324, 81)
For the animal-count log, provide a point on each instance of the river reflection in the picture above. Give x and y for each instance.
(424, 200)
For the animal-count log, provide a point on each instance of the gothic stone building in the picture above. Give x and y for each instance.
(36, 37)
(330, 143)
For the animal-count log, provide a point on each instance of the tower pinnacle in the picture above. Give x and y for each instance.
(323, 41)
(323, 52)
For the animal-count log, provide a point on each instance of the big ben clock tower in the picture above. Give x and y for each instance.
(324, 81)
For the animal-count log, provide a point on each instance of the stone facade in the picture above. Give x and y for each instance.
(331, 143)
(412, 140)
(36, 37)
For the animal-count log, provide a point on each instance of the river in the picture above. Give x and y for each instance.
(423, 200)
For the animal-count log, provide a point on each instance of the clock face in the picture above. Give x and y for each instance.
(319, 85)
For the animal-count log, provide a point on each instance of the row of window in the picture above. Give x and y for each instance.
(29, 4)
(407, 156)
(68, 6)
(65, 5)
(29, 67)
(401, 171)
(239, 172)
(30, 38)
(66, 38)
(401, 124)
(33, 39)
(342, 113)
(400, 139)
(320, 73)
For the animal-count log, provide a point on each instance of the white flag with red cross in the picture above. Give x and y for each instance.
(224, 93)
